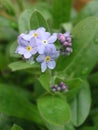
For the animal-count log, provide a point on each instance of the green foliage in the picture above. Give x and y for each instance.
(54, 110)
(37, 20)
(33, 105)
(91, 9)
(84, 44)
(81, 105)
(8, 6)
(16, 127)
(61, 11)
(19, 65)
(15, 104)
(33, 16)
(45, 81)
(13, 47)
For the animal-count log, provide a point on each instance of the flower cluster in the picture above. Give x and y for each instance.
(66, 43)
(59, 87)
(39, 44)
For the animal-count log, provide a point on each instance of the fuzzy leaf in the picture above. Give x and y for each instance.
(54, 109)
(13, 103)
(85, 50)
(37, 20)
(81, 105)
(20, 65)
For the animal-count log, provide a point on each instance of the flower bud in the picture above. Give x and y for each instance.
(61, 38)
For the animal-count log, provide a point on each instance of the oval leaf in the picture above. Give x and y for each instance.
(85, 50)
(81, 105)
(20, 65)
(54, 110)
(44, 80)
(37, 20)
(13, 103)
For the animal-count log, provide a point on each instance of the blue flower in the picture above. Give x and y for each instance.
(27, 46)
(47, 59)
(37, 33)
(46, 39)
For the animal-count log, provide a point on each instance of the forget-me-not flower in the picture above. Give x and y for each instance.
(27, 46)
(37, 33)
(46, 39)
(47, 59)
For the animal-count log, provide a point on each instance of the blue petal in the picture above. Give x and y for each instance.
(55, 55)
(52, 38)
(27, 37)
(50, 48)
(44, 35)
(32, 32)
(34, 51)
(43, 66)
(41, 49)
(40, 58)
(51, 64)
(67, 34)
(20, 50)
(41, 29)
(27, 54)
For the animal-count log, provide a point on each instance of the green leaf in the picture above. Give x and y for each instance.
(7, 33)
(3, 61)
(26, 20)
(81, 105)
(20, 65)
(20, 4)
(37, 20)
(5, 22)
(91, 9)
(13, 103)
(61, 11)
(8, 6)
(93, 79)
(73, 86)
(54, 110)
(44, 80)
(4, 122)
(85, 50)
(89, 128)
(68, 126)
(16, 127)
(54, 127)
(13, 47)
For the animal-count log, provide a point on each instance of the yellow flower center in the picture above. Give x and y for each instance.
(47, 58)
(29, 48)
(44, 41)
(35, 34)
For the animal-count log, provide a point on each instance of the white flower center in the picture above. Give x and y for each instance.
(44, 41)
